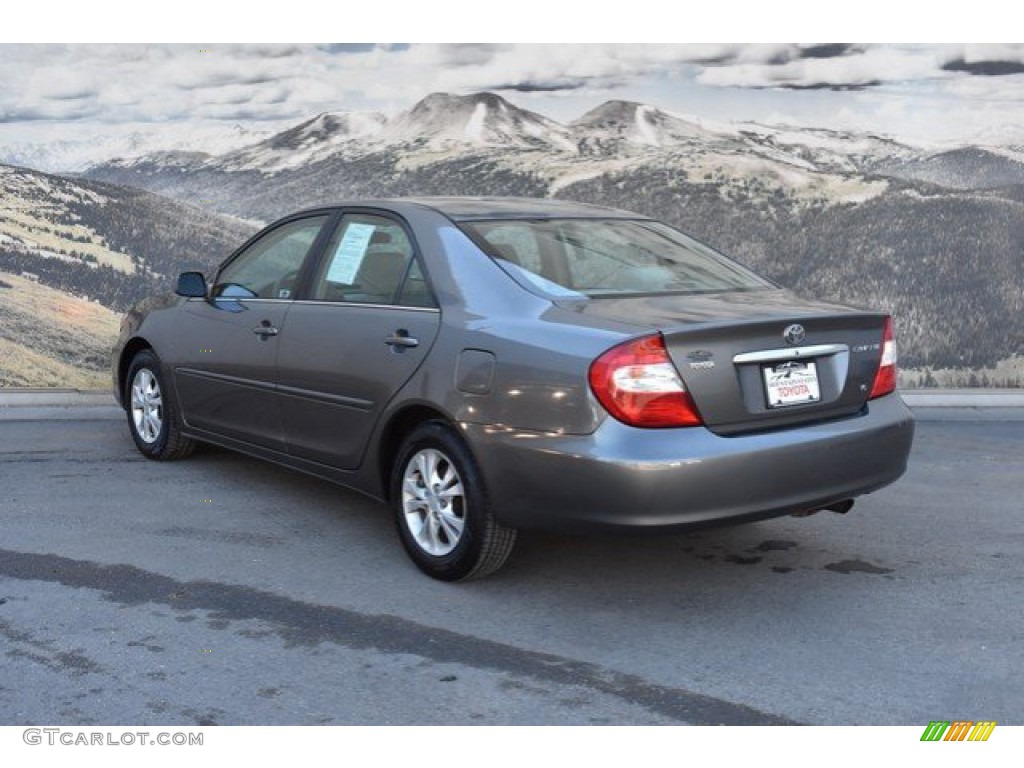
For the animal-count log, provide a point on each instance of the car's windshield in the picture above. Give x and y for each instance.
(595, 257)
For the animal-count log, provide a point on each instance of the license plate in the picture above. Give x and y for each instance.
(791, 383)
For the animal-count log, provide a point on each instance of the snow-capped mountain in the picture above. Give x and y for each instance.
(51, 151)
(439, 121)
(482, 144)
(613, 124)
(327, 133)
(443, 120)
(610, 137)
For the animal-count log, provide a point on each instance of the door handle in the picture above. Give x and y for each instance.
(401, 339)
(264, 330)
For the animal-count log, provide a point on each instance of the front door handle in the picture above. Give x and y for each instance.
(401, 339)
(264, 330)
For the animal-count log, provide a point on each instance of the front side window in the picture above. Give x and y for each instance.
(369, 260)
(598, 257)
(269, 268)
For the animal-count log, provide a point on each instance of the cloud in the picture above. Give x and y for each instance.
(828, 50)
(985, 68)
(140, 83)
(162, 82)
(831, 66)
(845, 66)
(552, 68)
(114, 84)
(533, 86)
(345, 48)
(348, 47)
(468, 54)
(985, 61)
(822, 86)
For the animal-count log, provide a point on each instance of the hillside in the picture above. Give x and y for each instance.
(52, 339)
(74, 254)
(104, 242)
(908, 253)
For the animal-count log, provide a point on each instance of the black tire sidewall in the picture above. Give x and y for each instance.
(460, 561)
(146, 359)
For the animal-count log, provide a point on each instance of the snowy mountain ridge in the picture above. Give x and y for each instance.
(443, 122)
(51, 151)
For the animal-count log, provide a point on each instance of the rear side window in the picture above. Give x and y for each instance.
(597, 257)
(512, 242)
(369, 260)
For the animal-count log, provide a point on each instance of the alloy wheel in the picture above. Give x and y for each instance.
(147, 406)
(433, 502)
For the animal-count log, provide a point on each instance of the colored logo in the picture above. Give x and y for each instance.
(958, 730)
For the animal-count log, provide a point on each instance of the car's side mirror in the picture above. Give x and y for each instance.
(191, 285)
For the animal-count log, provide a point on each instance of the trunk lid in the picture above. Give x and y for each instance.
(760, 359)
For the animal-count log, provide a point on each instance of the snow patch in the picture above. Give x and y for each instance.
(646, 132)
(475, 125)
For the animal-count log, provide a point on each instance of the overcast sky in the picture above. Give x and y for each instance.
(924, 92)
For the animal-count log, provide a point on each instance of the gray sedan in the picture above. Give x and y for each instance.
(490, 365)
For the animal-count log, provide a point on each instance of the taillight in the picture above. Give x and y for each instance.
(637, 383)
(885, 379)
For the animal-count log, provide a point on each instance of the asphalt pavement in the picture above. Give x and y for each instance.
(222, 590)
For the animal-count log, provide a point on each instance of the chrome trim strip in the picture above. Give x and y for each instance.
(240, 299)
(790, 353)
(319, 303)
(314, 302)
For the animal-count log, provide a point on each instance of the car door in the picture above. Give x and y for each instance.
(364, 328)
(226, 376)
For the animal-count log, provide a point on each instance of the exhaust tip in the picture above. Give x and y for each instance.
(804, 513)
(840, 507)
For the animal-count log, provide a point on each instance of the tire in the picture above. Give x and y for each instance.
(441, 508)
(153, 415)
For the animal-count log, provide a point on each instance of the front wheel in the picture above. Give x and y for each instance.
(441, 508)
(153, 416)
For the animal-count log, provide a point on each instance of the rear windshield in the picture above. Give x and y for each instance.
(563, 258)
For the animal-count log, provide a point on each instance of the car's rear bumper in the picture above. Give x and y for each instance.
(621, 477)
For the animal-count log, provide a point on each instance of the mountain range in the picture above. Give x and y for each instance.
(932, 234)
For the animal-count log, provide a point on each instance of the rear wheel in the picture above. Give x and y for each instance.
(441, 507)
(153, 415)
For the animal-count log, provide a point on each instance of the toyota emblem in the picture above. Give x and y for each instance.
(794, 334)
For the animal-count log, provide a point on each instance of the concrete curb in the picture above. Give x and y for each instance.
(18, 397)
(963, 398)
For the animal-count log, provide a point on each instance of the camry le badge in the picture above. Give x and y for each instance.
(794, 334)
(701, 359)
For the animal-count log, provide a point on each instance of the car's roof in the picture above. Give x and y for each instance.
(478, 208)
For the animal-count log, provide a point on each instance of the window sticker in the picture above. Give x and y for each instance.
(350, 253)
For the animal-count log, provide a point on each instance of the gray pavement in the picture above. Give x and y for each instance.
(224, 590)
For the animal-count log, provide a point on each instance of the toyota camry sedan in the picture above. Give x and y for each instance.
(485, 366)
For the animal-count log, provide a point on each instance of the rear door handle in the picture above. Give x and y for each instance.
(401, 339)
(265, 329)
